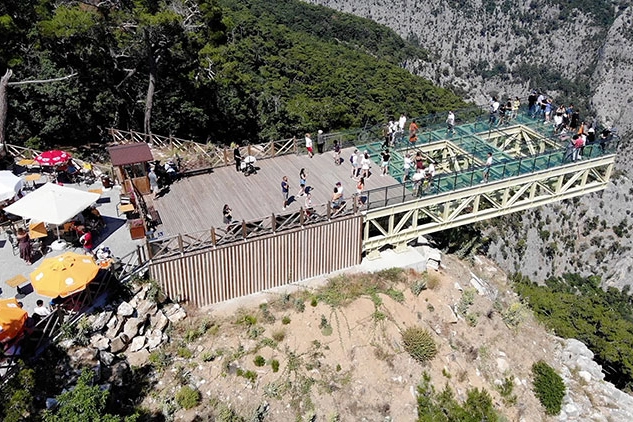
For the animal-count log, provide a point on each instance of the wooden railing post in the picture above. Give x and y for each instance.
(302, 216)
(273, 223)
(244, 232)
(329, 210)
(214, 239)
(180, 244)
(150, 253)
(272, 148)
(226, 156)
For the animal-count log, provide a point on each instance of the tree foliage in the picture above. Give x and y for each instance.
(548, 387)
(83, 403)
(443, 407)
(219, 70)
(577, 307)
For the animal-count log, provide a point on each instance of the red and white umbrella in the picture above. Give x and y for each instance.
(52, 157)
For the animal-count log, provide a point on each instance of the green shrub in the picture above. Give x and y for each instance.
(188, 397)
(419, 343)
(279, 335)
(184, 352)
(417, 286)
(549, 387)
(285, 320)
(259, 360)
(275, 365)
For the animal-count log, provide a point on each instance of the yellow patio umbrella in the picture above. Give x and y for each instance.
(64, 275)
(12, 319)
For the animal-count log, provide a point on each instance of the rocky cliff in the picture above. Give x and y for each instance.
(572, 50)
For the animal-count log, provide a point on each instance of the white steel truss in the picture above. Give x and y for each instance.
(399, 224)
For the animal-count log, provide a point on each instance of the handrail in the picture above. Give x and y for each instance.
(185, 243)
(402, 192)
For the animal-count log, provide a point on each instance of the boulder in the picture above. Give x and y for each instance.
(146, 308)
(119, 344)
(139, 358)
(85, 356)
(102, 319)
(175, 313)
(154, 339)
(100, 342)
(130, 329)
(114, 327)
(137, 343)
(125, 310)
(106, 358)
(158, 321)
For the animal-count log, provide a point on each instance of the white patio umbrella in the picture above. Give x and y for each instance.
(10, 185)
(53, 204)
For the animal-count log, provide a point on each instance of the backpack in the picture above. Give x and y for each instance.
(351, 158)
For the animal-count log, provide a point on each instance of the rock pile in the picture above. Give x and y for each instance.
(126, 329)
(588, 396)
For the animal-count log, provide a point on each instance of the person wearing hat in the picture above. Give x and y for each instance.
(320, 141)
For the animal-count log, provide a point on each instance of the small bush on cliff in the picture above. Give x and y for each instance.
(419, 344)
(549, 387)
(188, 397)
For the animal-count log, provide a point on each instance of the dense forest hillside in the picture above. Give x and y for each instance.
(204, 69)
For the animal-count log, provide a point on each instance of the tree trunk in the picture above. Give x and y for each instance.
(4, 105)
(149, 100)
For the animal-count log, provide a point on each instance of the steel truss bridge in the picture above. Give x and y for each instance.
(531, 167)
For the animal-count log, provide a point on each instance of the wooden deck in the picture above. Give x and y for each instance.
(195, 203)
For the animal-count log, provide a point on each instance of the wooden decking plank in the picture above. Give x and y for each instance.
(195, 203)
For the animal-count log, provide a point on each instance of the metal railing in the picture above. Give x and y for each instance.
(506, 168)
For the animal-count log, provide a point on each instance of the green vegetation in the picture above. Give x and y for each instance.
(223, 70)
(419, 343)
(548, 387)
(188, 397)
(82, 403)
(259, 360)
(443, 407)
(577, 307)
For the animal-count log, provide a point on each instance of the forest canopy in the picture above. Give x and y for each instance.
(209, 70)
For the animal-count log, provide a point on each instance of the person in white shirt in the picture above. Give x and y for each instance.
(408, 163)
(365, 164)
(401, 122)
(450, 122)
(486, 173)
(40, 309)
(309, 145)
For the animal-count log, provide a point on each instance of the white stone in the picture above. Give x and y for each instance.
(158, 321)
(586, 377)
(154, 339)
(137, 344)
(502, 365)
(100, 342)
(125, 309)
(131, 327)
(571, 410)
(176, 314)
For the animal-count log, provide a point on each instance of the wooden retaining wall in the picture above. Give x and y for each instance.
(243, 268)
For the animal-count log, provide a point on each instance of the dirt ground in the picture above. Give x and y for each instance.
(347, 362)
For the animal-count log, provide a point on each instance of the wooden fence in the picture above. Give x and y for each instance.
(242, 268)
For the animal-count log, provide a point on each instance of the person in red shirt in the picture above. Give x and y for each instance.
(86, 241)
